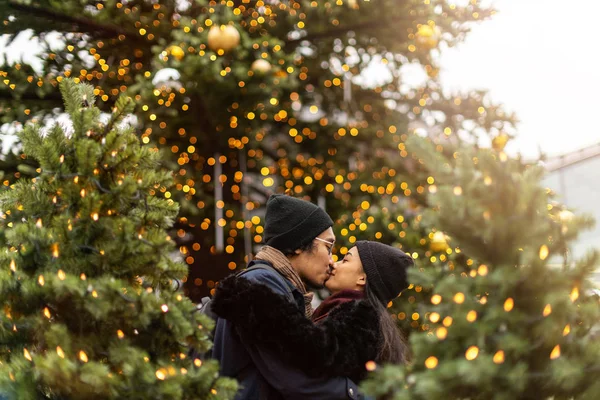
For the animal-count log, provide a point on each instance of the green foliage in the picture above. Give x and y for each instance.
(313, 121)
(87, 282)
(507, 320)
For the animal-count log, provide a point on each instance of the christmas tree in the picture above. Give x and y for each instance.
(245, 98)
(513, 317)
(88, 286)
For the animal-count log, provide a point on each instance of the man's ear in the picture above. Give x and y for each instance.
(297, 251)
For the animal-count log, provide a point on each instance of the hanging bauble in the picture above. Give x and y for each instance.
(353, 3)
(428, 37)
(499, 142)
(224, 37)
(176, 52)
(439, 242)
(261, 66)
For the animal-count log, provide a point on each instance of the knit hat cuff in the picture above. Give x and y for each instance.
(370, 267)
(304, 232)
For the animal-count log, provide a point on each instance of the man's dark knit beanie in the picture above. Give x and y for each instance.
(386, 268)
(291, 223)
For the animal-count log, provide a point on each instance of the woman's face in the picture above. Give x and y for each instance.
(347, 273)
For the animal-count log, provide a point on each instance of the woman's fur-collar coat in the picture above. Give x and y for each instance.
(339, 345)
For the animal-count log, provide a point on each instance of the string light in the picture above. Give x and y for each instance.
(543, 252)
(547, 310)
(472, 316)
(574, 294)
(441, 333)
(498, 357)
(472, 353)
(459, 298)
(371, 366)
(431, 362)
(509, 304)
(54, 249)
(555, 352)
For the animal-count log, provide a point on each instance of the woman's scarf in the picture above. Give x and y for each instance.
(335, 300)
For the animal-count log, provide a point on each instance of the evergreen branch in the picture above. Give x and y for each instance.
(54, 96)
(128, 299)
(112, 30)
(97, 182)
(593, 368)
(123, 106)
(336, 32)
(90, 248)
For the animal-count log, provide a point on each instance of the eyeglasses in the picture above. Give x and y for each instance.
(330, 247)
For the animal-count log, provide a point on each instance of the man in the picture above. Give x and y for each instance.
(298, 244)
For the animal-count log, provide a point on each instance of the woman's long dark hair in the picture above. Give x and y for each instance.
(393, 347)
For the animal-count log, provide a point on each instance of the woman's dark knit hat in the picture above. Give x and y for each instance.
(291, 223)
(386, 268)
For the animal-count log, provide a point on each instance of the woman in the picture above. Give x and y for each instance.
(348, 329)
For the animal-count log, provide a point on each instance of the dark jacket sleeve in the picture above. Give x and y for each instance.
(293, 384)
(290, 382)
(338, 346)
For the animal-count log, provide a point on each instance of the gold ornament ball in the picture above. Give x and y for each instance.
(438, 242)
(176, 52)
(261, 66)
(352, 3)
(499, 142)
(224, 37)
(428, 37)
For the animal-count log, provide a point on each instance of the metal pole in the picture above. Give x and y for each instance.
(244, 202)
(219, 240)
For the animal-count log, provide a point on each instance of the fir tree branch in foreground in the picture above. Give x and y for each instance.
(88, 284)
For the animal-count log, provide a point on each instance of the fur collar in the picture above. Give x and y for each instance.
(339, 345)
(334, 301)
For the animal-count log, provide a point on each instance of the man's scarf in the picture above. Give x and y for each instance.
(283, 265)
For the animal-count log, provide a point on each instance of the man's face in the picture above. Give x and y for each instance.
(313, 266)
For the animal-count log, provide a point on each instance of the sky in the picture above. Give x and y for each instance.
(539, 58)
(536, 57)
